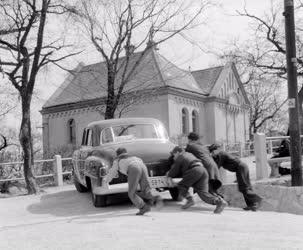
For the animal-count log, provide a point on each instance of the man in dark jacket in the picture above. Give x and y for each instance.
(203, 154)
(234, 164)
(193, 175)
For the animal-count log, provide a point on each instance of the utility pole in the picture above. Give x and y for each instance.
(294, 128)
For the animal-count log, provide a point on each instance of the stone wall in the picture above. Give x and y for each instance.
(277, 196)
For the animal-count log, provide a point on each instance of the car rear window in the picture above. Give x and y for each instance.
(134, 131)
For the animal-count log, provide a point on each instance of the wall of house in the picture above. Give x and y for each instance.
(240, 125)
(167, 108)
(210, 122)
(230, 125)
(56, 126)
(156, 107)
(220, 123)
(175, 106)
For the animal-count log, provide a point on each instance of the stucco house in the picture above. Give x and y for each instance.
(210, 101)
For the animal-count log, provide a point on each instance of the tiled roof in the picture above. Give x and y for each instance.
(89, 82)
(176, 77)
(206, 78)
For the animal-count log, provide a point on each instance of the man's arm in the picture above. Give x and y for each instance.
(175, 169)
(112, 173)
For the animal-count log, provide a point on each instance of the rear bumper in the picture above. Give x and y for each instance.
(155, 182)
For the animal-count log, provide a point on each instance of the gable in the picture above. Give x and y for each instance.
(206, 78)
(229, 87)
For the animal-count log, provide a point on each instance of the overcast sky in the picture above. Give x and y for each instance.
(222, 26)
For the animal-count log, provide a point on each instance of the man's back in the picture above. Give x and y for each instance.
(202, 153)
(182, 164)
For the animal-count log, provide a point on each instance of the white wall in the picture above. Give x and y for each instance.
(58, 127)
(156, 108)
(175, 106)
(220, 124)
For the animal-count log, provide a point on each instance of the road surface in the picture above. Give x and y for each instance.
(61, 218)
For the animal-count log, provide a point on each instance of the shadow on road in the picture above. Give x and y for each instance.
(72, 203)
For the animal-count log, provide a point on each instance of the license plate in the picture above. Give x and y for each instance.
(161, 181)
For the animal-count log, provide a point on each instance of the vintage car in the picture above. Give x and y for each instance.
(143, 137)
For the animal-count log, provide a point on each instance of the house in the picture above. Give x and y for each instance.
(211, 101)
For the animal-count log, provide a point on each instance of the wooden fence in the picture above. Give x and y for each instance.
(57, 169)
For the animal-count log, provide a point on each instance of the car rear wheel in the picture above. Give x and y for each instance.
(174, 192)
(99, 200)
(80, 188)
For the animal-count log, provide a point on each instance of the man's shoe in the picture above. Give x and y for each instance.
(254, 207)
(220, 206)
(189, 203)
(143, 210)
(247, 208)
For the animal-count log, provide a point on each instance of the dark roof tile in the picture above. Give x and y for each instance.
(206, 78)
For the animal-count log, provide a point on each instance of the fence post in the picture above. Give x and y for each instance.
(58, 170)
(240, 150)
(271, 148)
(261, 156)
(224, 146)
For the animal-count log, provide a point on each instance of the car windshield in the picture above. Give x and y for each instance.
(134, 131)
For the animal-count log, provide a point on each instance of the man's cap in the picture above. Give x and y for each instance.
(176, 150)
(214, 146)
(120, 151)
(193, 136)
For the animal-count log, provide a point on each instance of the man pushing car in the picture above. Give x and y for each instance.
(193, 175)
(136, 172)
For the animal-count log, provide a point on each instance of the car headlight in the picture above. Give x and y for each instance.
(103, 170)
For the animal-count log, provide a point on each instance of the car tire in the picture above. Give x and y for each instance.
(174, 192)
(80, 188)
(99, 200)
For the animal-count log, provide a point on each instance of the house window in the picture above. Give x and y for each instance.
(185, 121)
(195, 121)
(71, 131)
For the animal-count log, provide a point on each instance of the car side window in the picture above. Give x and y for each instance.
(106, 136)
(89, 138)
(84, 137)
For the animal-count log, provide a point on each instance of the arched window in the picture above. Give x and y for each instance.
(71, 131)
(185, 121)
(195, 121)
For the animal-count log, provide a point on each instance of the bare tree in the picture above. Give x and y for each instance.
(3, 143)
(266, 103)
(121, 28)
(266, 51)
(263, 92)
(23, 53)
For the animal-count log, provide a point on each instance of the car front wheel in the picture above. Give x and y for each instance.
(80, 188)
(99, 200)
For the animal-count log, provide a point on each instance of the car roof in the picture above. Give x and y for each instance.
(120, 121)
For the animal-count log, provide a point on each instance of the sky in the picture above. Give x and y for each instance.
(221, 27)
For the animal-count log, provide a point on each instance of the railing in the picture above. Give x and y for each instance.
(241, 149)
(274, 142)
(57, 174)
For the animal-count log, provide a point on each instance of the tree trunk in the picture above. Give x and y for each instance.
(300, 100)
(110, 102)
(27, 145)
